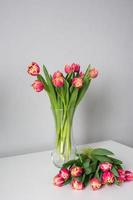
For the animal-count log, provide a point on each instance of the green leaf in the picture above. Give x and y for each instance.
(102, 158)
(86, 180)
(68, 181)
(114, 171)
(101, 152)
(88, 170)
(86, 164)
(69, 163)
(40, 78)
(83, 178)
(73, 99)
(83, 90)
(87, 71)
(116, 161)
(79, 178)
(50, 85)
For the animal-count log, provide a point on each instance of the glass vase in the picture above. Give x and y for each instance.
(64, 144)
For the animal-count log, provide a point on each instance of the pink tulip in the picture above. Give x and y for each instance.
(81, 74)
(105, 166)
(128, 176)
(58, 81)
(77, 82)
(107, 177)
(76, 171)
(93, 73)
(64, 173)
(75, 67)
(57, 74)
(77, 185)
(95, 183)
(121, 177)
(68, 69)
(33, 69)
(58, 180)
(38, 86)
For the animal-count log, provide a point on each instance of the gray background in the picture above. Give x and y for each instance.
(99, 32)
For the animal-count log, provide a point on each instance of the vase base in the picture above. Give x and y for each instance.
(58, 159)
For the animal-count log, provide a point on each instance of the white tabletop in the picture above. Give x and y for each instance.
(29, 177)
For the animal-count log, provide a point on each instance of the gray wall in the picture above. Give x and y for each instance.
(99, 32)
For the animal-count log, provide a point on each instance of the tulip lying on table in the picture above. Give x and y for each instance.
(94, 167)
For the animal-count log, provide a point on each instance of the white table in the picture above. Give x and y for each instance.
(29, 177)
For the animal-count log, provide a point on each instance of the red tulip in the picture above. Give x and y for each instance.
(128, 176)
(68, 69)
(77, 82)
(58, 180)
(95, 183)
(57, 74)
(107, 177)
(58, 81)
(93, 73)
(38, 86)
(105, 166)
(76, 171)
(64, 173)
(75, 67)
(77, 185)
(33, 69)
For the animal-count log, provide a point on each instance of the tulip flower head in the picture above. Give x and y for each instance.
(75, 67)
(95, 183)
(105, 166)
(57, 74)
(68, 69)
(128, 176)
(64, 173)
(77, 82)
(77, 185)
(33, 69)
(58, 81)
(107, 177)
(81, 74)
(76, 171)
(58, 180)
(93, 73)
(38, 86)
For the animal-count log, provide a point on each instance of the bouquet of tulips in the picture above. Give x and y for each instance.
(95, 167)
(65, 93)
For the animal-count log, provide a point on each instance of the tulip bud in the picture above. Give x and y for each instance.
(57, 74)
(58, 81)
(77, 82)
(64, 173)
(58, 180)
(128, 176)
(95, 183)
(75, 67)
(77, 185)
(93, 73)
(107, 177)
(68, 69)
(81, 74)
(33, 69)
(38, 86)
(105, 166)
(76, 171)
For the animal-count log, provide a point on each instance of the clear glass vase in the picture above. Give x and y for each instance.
(65, 147)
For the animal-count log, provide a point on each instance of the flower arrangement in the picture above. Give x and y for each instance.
(95, 167)
(65, 93)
